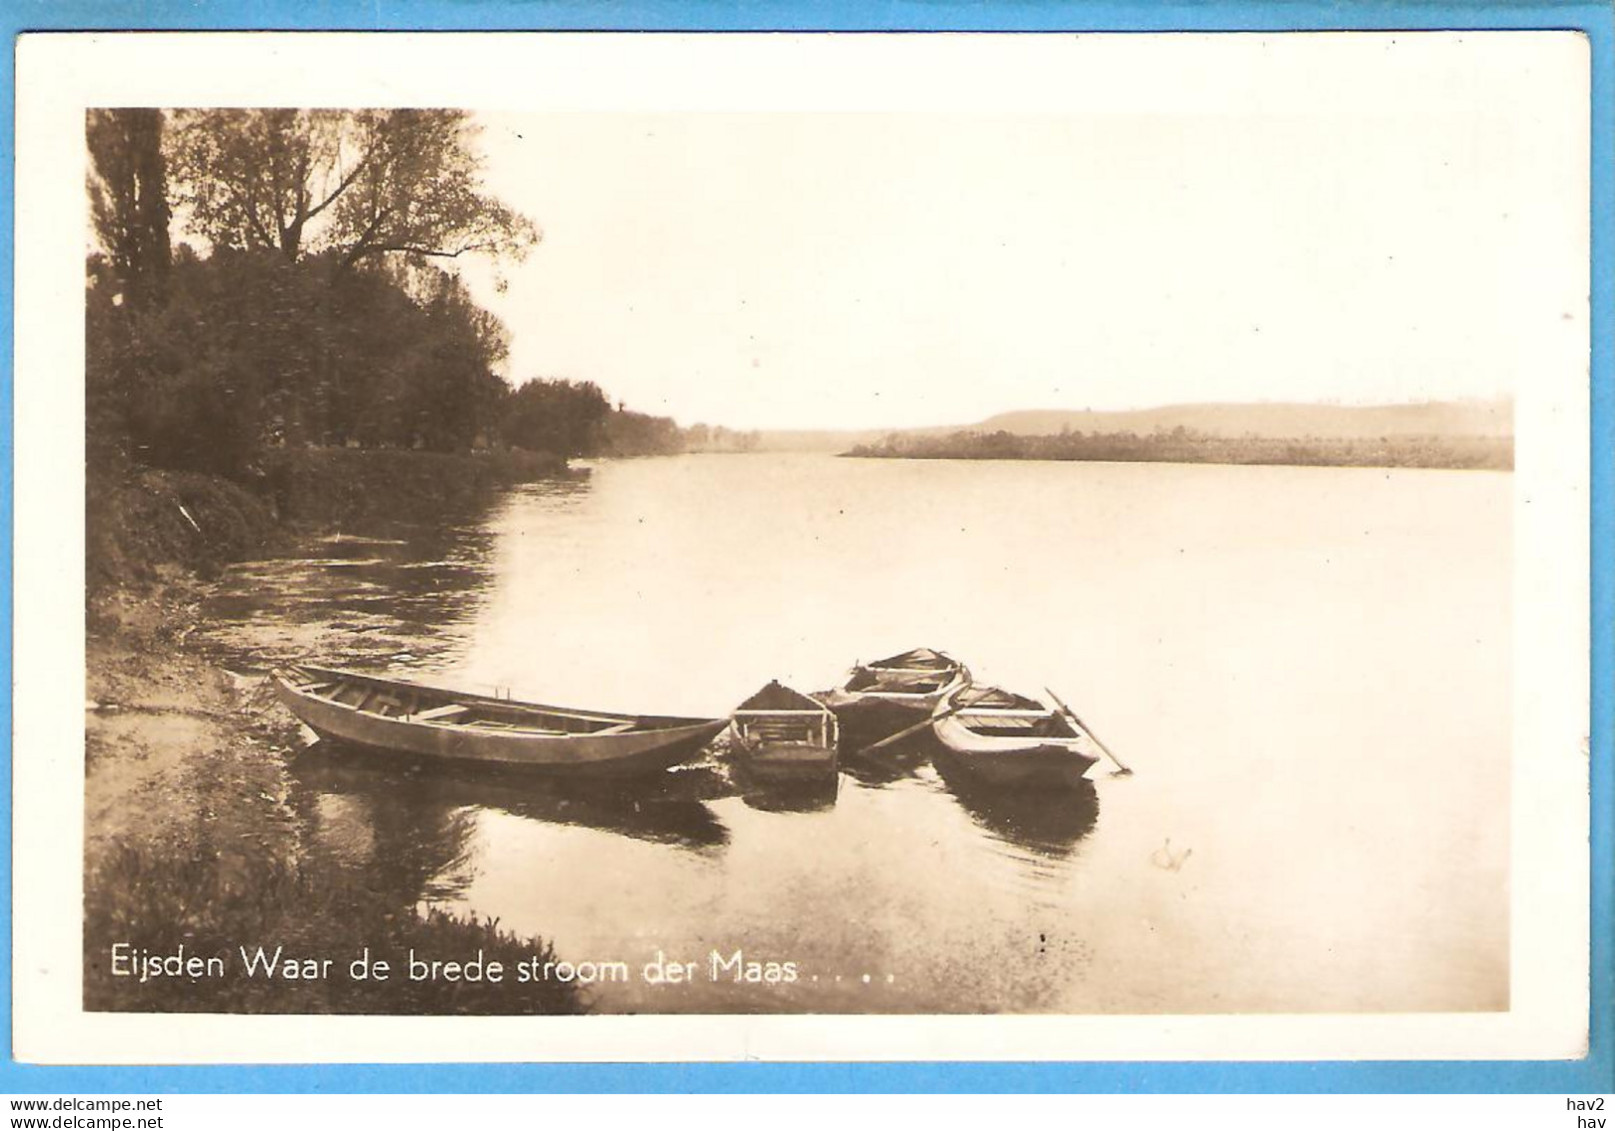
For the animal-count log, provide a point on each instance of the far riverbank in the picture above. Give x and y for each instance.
(1488, 453)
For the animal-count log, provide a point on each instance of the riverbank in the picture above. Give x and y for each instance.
(139, 519)
(194, 836)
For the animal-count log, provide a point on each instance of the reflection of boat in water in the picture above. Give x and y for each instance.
(1047, 822)
(788, 795)
(1010, 739)
(665, 810)
(887, 764)
(396, 715)
(902, 687)
(781, 733)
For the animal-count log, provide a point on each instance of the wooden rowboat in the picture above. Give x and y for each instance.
(1008, 739)
(782, 733)
(403, 717)
(911, 683)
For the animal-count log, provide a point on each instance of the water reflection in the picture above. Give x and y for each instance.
(1048, 822)
(779, 796)
(407, 844)
(670, 811)
(397, 602)
(402, 594)
(887, 765)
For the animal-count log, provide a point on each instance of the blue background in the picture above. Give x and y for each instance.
(1592, 1075)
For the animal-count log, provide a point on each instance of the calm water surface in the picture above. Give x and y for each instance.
(1308, 669)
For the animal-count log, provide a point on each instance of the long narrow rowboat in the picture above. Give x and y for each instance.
(781, 733)
(1009, 739)
(911, 683)
(403, 717)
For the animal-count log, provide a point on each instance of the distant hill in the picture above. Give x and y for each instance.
(1492, 419)
(1275, 420)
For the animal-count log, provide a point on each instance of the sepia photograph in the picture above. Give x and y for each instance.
(870, 553)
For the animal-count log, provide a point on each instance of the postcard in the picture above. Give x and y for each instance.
(551, 547)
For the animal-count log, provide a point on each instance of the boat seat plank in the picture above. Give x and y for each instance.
(375, 700)
(443, 714)
(583, 716)
(517, 728)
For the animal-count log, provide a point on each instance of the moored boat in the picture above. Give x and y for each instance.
(908, 685)
(781, 733)
(1009, 739)
(405, 717)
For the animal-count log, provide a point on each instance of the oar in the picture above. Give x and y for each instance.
(906, 731)
(1072, 715)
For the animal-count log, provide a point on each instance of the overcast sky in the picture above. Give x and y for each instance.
(1368, 222)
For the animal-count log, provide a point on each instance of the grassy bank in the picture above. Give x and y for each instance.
(201, 911)
(193, 832)
(140, 520)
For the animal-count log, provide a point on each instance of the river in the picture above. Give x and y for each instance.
(1308, 669)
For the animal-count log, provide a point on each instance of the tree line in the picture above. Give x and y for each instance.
(1188, 445)
(315, 306)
